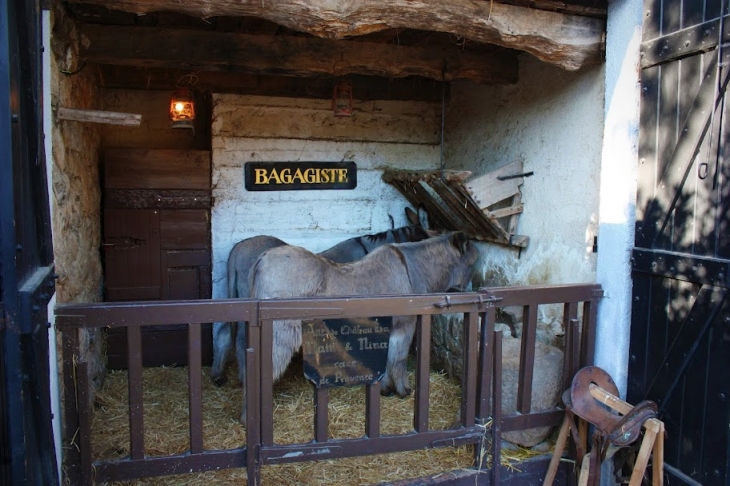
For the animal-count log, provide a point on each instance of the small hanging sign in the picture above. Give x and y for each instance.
(345, 352)
(298, 176)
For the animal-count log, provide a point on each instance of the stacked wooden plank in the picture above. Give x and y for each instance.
(486, 207)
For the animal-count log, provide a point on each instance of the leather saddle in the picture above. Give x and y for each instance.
(610, 427)
(619, 430)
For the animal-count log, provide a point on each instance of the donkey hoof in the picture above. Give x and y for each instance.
(220, 380)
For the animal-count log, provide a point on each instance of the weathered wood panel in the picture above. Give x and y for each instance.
(684, 370)
(156, 169)
(157, 199)
(366, 88)
(666, 17)
(184, 229)
(132, 254)
(286, 55)
(487, 189)
(186, 275)
(99, 116)
(377, 121)
(154, 132)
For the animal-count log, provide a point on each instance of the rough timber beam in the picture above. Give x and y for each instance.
(284, 55)
(366, 88)
(568, 41)
(98, 116)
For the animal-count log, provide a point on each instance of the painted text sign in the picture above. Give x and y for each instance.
(343, 352)
(298, 176)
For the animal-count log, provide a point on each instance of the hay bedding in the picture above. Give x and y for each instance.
(165, 402)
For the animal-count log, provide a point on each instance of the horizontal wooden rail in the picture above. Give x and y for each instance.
(125, 469)
(480, 401)
(339, 448)
(152, 313)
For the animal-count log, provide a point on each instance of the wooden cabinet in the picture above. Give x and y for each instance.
(156, 243)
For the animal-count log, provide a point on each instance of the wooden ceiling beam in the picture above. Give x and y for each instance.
(284, 55)
(365, 88)
(568, 41)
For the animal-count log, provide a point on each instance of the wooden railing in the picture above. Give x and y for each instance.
(479, 400)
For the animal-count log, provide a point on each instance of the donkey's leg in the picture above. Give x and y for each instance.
(396, 374)
(222, 343)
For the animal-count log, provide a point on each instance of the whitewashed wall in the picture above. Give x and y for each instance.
(379, 135)
(618, 187)
(553, 121)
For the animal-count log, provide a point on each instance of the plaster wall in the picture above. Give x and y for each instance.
(553, 121)
(618, 186)
(379, 135)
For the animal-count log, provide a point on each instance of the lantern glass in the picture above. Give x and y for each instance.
(342, 100)
(182, 108)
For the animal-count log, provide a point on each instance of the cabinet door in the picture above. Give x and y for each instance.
(172, 274)
(132, 254)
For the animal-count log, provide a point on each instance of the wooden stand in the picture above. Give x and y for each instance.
(653, 442)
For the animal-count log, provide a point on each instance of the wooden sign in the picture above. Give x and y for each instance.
(345, 352)
(298, 176)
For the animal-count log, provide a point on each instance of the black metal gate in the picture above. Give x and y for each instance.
(27, 454)
(680, 338)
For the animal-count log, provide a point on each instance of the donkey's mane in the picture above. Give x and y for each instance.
(406, 231)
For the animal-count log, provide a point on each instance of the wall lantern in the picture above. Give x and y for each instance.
(342, 94)
(182, 108)
(342, 100)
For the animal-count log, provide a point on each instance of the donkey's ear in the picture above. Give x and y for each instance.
(423, 218)
(460, 241)
(411, 216)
